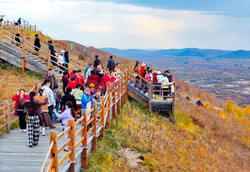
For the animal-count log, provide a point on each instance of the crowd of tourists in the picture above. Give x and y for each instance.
(79, 89)
(161, 80)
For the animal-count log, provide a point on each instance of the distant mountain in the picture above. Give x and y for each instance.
(187, 52)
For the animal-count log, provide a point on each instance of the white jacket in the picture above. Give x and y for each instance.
(165, 81)
(50, 94)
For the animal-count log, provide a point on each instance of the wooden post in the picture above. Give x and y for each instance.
(119, 98)
(85, 141)
(94, 114)
(102, 118)
(173, 108)
(109, 105)
(54, 153)
(23, 54)
(122, 89)
(7, 113)
(114, 101)
(35, 28)
(72, 145)
(126, 84)
(150, 95)
(49, 60)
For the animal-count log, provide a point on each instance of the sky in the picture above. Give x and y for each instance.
(139, 24)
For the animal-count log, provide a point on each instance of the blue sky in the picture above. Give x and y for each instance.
(142, 24)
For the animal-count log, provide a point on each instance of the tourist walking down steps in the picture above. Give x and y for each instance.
(33, 108)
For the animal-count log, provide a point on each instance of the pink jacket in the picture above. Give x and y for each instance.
(16, 98)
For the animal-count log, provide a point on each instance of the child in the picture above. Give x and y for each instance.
(72, 83)
(44, 117)
(57, 96)
(68, 114)
(33, 107)
(77, 93)
(92, 89)
(98, 98)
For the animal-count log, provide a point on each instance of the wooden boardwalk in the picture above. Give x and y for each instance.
(16, 156)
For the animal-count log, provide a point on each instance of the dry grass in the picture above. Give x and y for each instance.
(13, 79)
(200, 141)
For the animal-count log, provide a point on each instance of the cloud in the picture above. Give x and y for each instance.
(107, 24)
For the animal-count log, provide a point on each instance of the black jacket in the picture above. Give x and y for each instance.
(96, 62)
(111, 64)
(66, 55)
(68, 97)
(37, 43)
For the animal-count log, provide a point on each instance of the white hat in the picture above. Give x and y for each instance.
(158, 72)
(143, 64)
(62, 51)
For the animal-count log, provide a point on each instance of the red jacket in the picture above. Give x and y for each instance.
(142, 71)
(95, 79)
(72, 84)
(72, 75)
(80, 80)
(155, 78)
(16, 98)
(105, 79)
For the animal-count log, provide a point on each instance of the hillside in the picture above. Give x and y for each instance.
(200, 141)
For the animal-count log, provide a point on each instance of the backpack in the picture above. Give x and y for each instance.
(56, 96)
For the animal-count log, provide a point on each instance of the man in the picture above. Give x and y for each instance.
(97, 61)
(19, 21)
(37, 43)
(52, 53)
(88, 72)
(165, 86)
(118, 71)
(111, 64)
(86, 98)
(51, 98)
(52, 78)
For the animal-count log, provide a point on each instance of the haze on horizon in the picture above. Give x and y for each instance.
(139, 24)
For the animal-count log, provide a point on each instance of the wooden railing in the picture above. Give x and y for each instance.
(7, 116)
(11, 24)
(42, 55)
(82, 138)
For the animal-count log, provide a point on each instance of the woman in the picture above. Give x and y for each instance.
(17, 34)
(33, 108)
(94, 79)
(147, 77)
(19, 97)
(68, 114)
(44, 117)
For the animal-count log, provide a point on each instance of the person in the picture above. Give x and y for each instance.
(118, 71)
(97, 61)
(150, 74)
(100, 70)
(19, 97)
(159, 81)
(61, 60)
(65, 80)
(19, 21)
(77, 93)
(92, 89)
(68, 97)
(80, 78)
(44, 117)
(142, 69)
(1, 20)
(86, 98)
(88, 72)
(73, 74)
(37, 43)
(165, 86)
(94, 79)
(170, 76)
(72, 83)
(136, 70)
(57, 96)
(33, 108)
(66, 56)
(111, 64)
(154, 77)
(17, 34)
(105, 79)
(147, 77)
(98, 98)
(52, 78)
(67, 114)
(86, 69)
(51, 98)
(52, 53)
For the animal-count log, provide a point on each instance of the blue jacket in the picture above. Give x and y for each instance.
(85, 100)
(111, 64)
